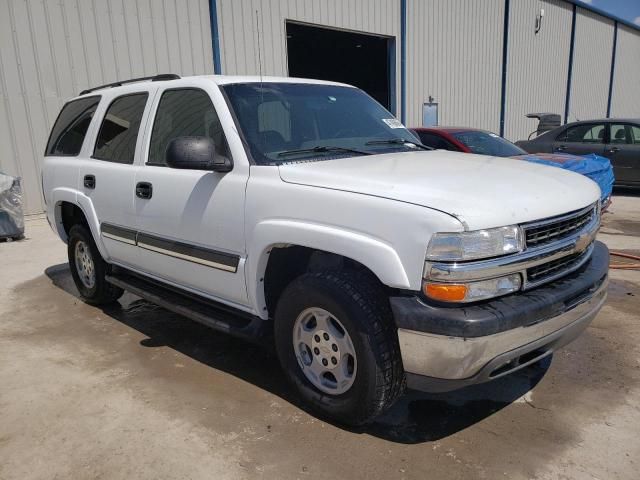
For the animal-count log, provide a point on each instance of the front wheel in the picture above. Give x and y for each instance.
(337, 343)
(88, 269)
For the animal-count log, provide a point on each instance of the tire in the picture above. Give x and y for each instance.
(98, 292)
(360, 306)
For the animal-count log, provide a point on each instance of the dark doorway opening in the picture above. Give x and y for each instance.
(363, 60)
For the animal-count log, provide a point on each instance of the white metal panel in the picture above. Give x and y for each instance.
(49, 51)
(238, 23)
(454, 53)
(537, 64)
(625, 101)
(592, 51)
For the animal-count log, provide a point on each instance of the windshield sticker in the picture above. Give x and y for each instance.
(393, 123)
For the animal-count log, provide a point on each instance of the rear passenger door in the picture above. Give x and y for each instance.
(191, 222)
(107, 178)
(623, 150)
(581, 139)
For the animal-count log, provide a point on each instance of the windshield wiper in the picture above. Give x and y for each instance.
(398, 141)
(322, 149)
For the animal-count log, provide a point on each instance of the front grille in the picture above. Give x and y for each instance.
(555, 268)
(541, 234)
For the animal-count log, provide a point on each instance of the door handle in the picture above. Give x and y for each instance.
(90, 181)
(614, 149)
(561, 148)
(144, 190)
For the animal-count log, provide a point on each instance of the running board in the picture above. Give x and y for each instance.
(212, 314)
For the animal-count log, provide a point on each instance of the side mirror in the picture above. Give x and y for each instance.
(196, 153)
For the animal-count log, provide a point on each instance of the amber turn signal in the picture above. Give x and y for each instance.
(445, 292)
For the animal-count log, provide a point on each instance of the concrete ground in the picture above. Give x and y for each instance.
(138, 393)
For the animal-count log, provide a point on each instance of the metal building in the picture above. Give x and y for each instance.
(476, 63)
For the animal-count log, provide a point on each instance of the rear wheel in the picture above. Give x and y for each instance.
(338, 346)
(88, 269)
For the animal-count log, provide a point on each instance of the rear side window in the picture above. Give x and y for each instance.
(118, 134)
(185, 113)
(71, 127)
(586, 133)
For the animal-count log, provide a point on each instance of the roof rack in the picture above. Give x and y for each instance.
(155, 78)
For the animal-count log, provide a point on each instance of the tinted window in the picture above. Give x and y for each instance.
(119, 130)
(436, 141)
(278, 120)
(587, 133)
(185, 113)
(487, 143)
(71, 127)
(619, 133)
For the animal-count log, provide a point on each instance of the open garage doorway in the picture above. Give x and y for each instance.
(364, 60)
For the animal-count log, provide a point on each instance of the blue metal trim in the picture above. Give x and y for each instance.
(215, 39)
(505, 43)
(570, 72)
(403, 60)
(613, 67)
(599, 11)
(393, 107)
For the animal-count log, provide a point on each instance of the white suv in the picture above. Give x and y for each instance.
(302, 212)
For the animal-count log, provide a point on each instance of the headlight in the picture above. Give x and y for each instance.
(472, 291)
(450, 247)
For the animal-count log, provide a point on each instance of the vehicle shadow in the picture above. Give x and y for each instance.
(626, 192)
(415, 418)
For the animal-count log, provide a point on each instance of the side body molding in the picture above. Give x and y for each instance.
(377, 255)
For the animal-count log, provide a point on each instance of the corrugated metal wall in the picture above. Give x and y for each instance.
(238, 27)
(591, 66)
(625, 101)
(537, 64)
(238, 20)
(454, 53)
(50, 51)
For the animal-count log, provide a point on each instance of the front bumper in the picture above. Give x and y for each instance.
(445, 348)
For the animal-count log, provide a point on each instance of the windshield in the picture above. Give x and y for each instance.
(283, 122)
(487, 143)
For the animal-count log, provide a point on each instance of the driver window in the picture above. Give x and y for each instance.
(185, 113)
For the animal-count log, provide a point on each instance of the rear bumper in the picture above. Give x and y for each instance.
(445, 348)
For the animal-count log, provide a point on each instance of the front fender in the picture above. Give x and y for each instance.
(374, 253)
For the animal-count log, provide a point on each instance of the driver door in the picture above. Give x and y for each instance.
(191, 222)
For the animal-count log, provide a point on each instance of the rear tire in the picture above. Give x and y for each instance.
(356, 304)
(88, 269)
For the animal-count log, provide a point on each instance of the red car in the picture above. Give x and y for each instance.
(468, 140)
(482, 142)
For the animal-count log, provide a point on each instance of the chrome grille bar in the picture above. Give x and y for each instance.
(553, 229)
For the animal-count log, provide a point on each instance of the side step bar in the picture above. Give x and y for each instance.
(212, 314)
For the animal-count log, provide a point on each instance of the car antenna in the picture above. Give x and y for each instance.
(259, 70)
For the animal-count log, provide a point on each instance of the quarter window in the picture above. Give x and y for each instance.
(586, 133)
(119, 130)
(185, 113)
(67, 134)
(635, 134)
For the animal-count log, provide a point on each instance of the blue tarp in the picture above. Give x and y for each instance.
(594, 166)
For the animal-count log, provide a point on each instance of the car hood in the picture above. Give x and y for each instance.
(480, 191)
